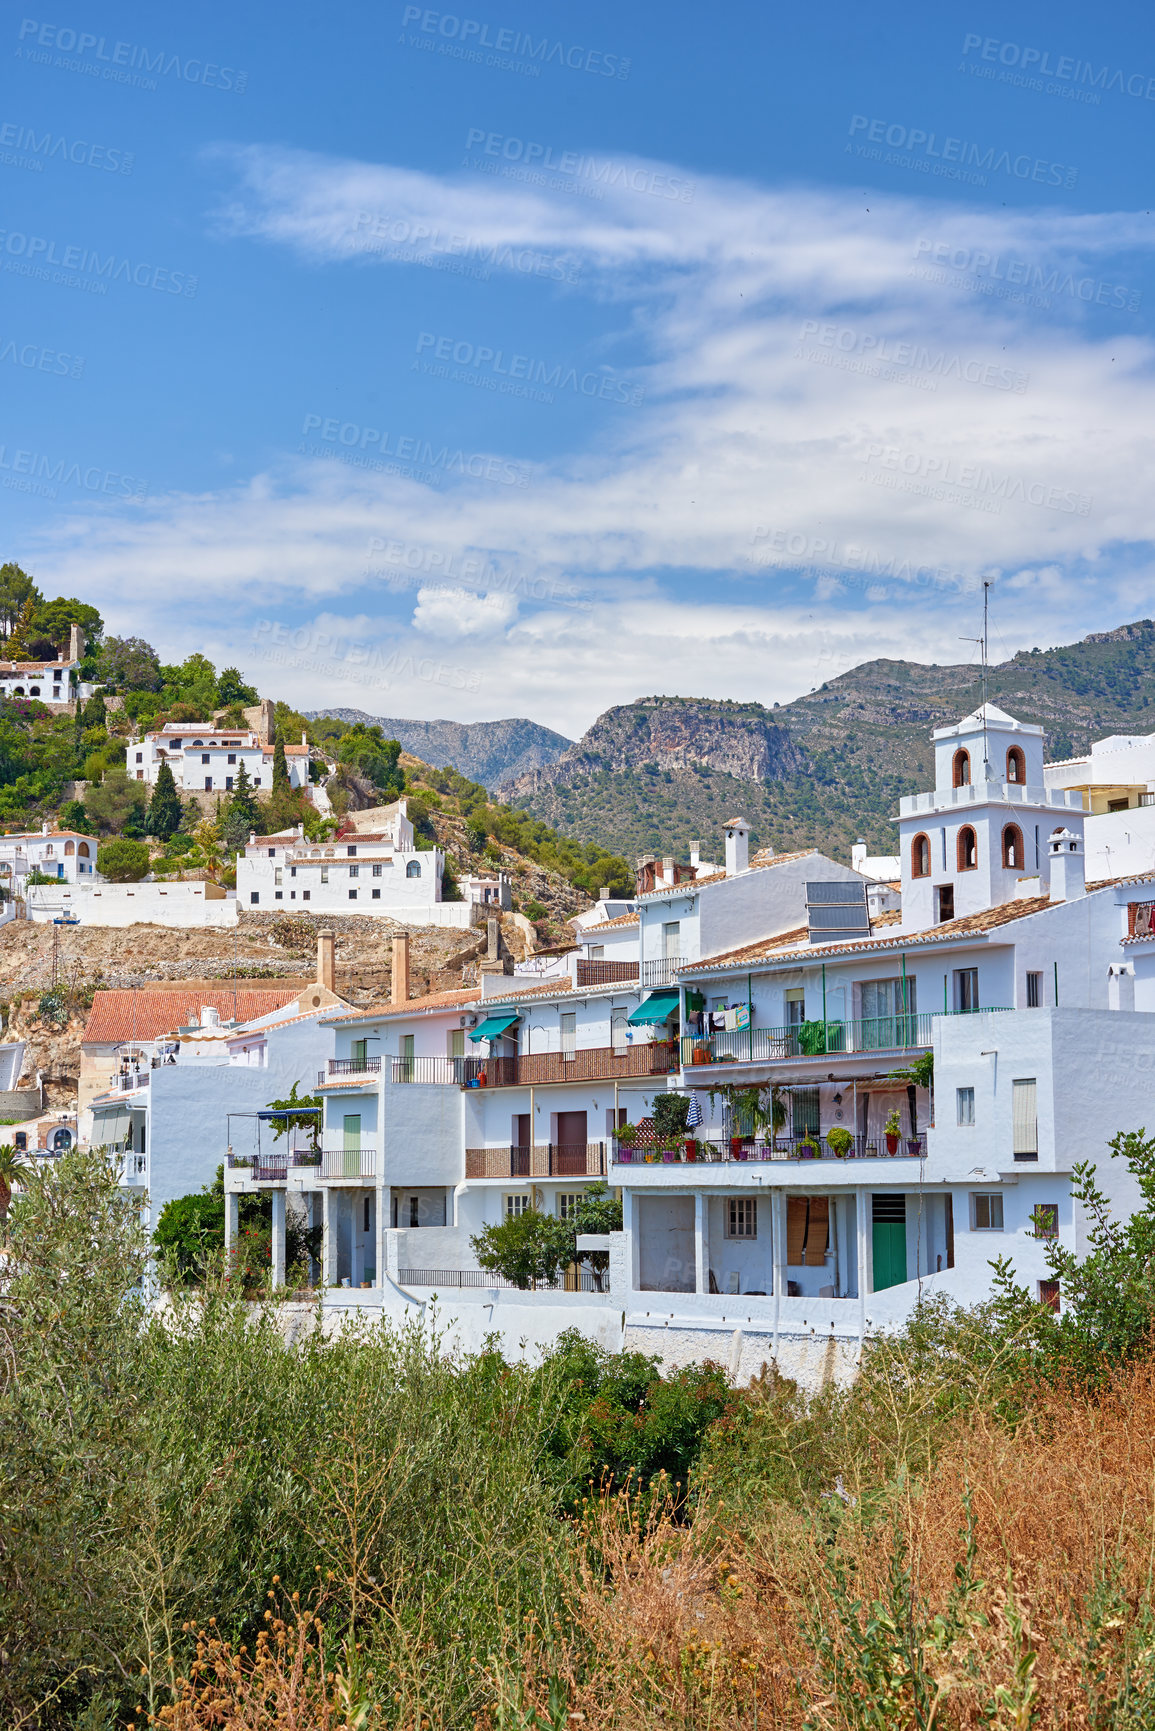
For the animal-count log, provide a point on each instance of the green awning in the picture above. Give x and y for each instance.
(495, 1025)
(656, 1008)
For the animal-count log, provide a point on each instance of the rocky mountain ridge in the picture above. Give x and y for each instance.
(486, 751)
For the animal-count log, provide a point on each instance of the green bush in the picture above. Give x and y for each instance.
(123, 861)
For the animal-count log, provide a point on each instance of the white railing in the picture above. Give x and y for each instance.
(663, 971)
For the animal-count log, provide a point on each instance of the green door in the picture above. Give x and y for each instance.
(352, 1167)
(889, 1228)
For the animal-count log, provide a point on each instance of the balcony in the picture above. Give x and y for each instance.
(444, 1279)
(663, 971)
(344, 1072)
(802, 1040)
(714, 1151)
(542, 1160)
(590, 1064)
(602, 973)
(348, 1162)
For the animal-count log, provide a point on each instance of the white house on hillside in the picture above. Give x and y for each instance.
(206, 759)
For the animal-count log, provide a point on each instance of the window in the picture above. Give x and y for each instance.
(376, 895)
(568, 1035)
(352, 852)
(256, 781)
(204, 757)
(944, 903)
(966, 990)
(516, 1204)
(961, 769)
(742, 1217)
(352, 895)
(228, 784)
(254, 895)
(365, 1216)
(278, 874)
(376, 871)
(1045, 1220)
(208, 783)
(986, 1211)
(1012, 847)
(175, 743)
(807, 1231)
(965, 1106)
(920, 857)
(455, 1043)
(1024, 1119)
(278, 895)
(324, 874)
(804, 1112)
(1118, 804)
(1034, 991)
(1016, 765)
(1049, 1294)
(619, 1030)
(305, 894)
(567, 1205)
(795, 1007)
(968, 849)
(354, 871)
(272, 852)
(413, 869)
(414, 1211)
(671, 939)
(359, 1053)
(140, 757)
(232, 757)
(292, 871)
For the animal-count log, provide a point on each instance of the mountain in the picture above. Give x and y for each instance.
(485, 751)
(650, 776)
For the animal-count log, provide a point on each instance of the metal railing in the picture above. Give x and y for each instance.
(542, 1160)
(601, 973)
(899, 1033)
(591, 1064)
(348, 1163)
(711, 1151)
(580, 1281)
(662, 971)
(353, 1066)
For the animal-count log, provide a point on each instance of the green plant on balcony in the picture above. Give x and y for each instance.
(813, 1039)
(671, 1112)
(839, 1141)
(808, 1147)
(627, 1134)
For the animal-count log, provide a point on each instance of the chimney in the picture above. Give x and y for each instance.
(210, 1017)
(604, 893)
(325, 968)
(1121, 986)
(76, 643)
(401, 967)
(669, 875)
(1068, 868)
(695, 855)
(737, 846)
(858, 856)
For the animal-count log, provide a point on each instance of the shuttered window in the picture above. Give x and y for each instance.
(568, 1034)
(807, 1229)
(796, 1215)
(1024, 1120)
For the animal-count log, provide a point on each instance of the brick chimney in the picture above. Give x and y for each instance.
(401, 967)
(325, 969)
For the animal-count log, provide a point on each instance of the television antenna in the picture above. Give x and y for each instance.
(982, 642)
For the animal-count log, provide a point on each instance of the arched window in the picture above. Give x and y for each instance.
(1012, 847)
(35, 690)
(18, 691)
(82, 850)
(413, 869)
(62, 1140)
(70, 847)
(920, 857)
(968, 849)
(1016, 765)
(961, 776)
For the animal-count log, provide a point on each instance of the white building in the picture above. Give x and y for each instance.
(206, 759)
(63, 854)
(359, 872)
(51, 682)
(1116, 782)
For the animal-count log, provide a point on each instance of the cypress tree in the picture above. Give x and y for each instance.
(164, 810)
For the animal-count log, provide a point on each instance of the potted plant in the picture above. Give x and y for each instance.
(839, 1141)
(669, 1155)
(808, 1148)
(691, 1148)
(626, 1136)
(892, 1130)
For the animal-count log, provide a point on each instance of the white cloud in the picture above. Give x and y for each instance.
(765, 444)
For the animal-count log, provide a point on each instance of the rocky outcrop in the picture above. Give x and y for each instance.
(485, 751)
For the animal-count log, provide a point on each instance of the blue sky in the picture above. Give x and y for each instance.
(530, 358)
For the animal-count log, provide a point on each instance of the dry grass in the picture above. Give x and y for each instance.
(1010, 1588)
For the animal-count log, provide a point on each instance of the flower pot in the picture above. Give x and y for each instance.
(913, 1147)
(668, 1156)
(690, 1147)
(736, 1147)
(625, 1153)
(891, 1144)
(807, 1151)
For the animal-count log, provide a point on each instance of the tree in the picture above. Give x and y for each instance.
(366, 750)
(54, 619)
(530, 1248)
(16, 588)
(128, 664)
(22, 638)
(74, 816)
(231, 688)
(116, 804)
(242, 814)
(164, 810)
(597, 1211)
(280, 767)
(123, 861)
(12, 1170)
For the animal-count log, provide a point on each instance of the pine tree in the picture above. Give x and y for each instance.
(19, 646)
(164, 811)
(243, 804)
(280, 767)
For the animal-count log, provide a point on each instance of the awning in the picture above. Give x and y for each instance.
(495, 1025)
(658, 1007)
(110, 1126)
(287, 1112)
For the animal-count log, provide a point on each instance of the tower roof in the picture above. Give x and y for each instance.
(988, 715)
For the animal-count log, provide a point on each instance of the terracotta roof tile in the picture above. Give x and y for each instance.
(128, 1015)
(759, 862)
(432, 1001)
(618, 920)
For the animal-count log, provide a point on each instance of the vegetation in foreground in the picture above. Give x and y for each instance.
(200, 1528)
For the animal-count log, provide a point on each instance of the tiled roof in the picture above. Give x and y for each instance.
(416, 1006)
(759, 862)
(128, 1015)
(618, 920)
